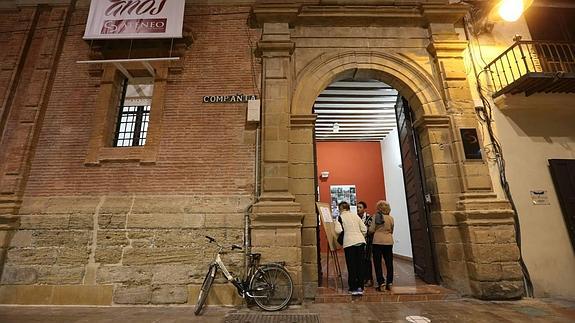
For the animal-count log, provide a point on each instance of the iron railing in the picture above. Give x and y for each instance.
(525, 57)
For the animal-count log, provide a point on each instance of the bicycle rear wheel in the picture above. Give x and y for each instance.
(271, 288)
(205, 289)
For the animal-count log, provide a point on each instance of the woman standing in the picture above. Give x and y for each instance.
(367, 219)
(382, 229)
(353, 246)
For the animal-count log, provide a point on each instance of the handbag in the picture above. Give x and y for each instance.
(340, 236)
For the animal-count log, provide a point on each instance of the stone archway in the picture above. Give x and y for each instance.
(411, 80)
(465, 211)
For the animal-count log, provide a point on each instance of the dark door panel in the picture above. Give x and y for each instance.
(423, 260)
(563, 174)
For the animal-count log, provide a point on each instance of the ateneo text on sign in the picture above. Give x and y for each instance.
(131, 26)
(135, 19)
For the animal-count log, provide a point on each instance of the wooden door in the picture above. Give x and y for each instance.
(563, 173)
(423, 259)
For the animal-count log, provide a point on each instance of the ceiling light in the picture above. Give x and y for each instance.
(335, 127)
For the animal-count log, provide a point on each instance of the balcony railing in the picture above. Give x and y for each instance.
(533, 67)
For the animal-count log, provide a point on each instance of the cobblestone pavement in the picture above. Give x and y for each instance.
(462, 310)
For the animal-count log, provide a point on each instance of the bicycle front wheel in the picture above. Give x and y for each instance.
(205, 289)
(271, 288)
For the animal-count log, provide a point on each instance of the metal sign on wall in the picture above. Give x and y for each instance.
(238, 98)
(135, 19)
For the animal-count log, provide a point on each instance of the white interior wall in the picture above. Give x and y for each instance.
(395, 193)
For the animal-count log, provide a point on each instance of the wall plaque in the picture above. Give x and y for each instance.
(539, 197)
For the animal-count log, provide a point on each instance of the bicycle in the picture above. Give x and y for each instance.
(269, 285)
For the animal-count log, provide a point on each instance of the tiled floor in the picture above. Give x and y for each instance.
(404, 274)
(407, 303)
(464, 310)
(461, 310)
(407, 286)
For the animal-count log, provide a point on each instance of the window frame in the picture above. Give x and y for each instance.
(102, 141)
(140, 114)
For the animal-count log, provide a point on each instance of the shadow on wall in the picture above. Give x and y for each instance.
(546, 123)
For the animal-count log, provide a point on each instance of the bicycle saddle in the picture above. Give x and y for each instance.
(256, 256)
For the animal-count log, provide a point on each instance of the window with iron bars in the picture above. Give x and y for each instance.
(133, 114)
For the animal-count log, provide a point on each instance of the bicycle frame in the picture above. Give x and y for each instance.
(218, 262)
(254, 277)
(239, 284)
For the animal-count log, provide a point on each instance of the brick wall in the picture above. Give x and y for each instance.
(136, 231)
(204, 148)
(11, 44)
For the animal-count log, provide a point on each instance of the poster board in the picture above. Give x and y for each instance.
(343, 193)
(328, 223)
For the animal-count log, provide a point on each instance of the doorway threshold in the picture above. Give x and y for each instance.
(398, 294)
(407, 287)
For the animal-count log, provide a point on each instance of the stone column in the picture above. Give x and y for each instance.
(21, 113)
(28, 97)
(443, 183)
(276, 219)
(302, 185)
(485, 238)
(8, 226)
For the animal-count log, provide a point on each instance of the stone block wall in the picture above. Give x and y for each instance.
(302, 173)
(146, 249)
(492, 254)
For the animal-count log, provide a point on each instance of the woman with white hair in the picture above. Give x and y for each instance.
(382, 229)
(353, 245)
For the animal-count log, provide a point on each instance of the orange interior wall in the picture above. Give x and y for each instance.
(351, 163)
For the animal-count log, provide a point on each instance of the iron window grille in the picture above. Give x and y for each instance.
(132, 125)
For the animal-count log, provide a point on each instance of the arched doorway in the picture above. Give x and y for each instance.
(366, 151)
(413, 83)
(299, 59)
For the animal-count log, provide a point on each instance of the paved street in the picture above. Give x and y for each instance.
(463, 310)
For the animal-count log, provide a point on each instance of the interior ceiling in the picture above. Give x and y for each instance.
(363, 110)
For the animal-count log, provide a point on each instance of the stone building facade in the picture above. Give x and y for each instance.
(86, 223)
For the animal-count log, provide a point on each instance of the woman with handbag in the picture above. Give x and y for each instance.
(382, 230)
(353, 243)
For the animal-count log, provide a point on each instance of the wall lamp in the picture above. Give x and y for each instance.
(485, 12)
(511, 10)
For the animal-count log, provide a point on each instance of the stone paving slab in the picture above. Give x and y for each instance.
(463, 310)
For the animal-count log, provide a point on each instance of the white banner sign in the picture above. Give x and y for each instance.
(135, 19)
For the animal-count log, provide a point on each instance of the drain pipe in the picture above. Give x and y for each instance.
(247, 223)
(247, 242)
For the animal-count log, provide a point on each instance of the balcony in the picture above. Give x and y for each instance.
(534, 67)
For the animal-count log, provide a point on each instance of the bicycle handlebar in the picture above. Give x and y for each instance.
(234, 246)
